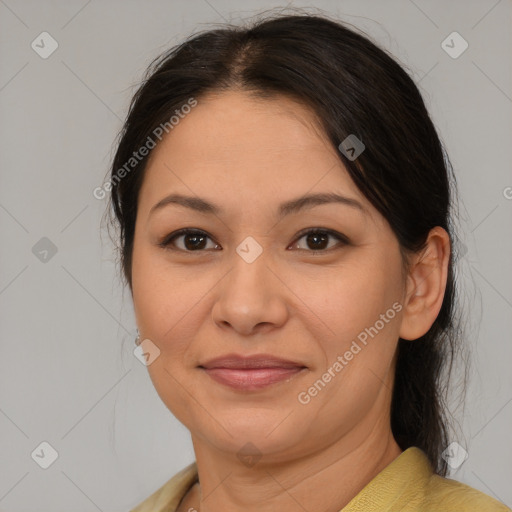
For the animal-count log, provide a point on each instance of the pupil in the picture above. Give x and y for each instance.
(314, 237)
(194, 238)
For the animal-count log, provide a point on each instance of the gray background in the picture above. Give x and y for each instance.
(67, 372)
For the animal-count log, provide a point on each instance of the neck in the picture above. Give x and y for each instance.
(339, 472)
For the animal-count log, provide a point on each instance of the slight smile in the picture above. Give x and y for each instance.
(250, 373)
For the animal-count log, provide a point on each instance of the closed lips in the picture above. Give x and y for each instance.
(248, 363)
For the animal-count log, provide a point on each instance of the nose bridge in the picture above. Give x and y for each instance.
(249, 250)
(249, 266)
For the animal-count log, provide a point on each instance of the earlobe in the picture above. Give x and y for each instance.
(426, 285)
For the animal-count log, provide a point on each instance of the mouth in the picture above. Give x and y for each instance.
(251, 373)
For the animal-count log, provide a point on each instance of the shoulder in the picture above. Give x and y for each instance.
(445, 494)
(167, 497)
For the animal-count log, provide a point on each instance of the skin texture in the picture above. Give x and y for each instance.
(247, 156)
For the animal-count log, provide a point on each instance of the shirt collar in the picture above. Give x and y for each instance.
(401, 481)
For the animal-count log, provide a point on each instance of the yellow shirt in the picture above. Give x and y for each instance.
(407, 484)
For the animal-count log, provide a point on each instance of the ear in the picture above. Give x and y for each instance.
(426, 284)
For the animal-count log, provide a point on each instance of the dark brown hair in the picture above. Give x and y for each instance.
(354, 87)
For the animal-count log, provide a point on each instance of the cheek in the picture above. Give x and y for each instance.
(348, 299)
(357, 306)
(167, 306)
(171, 304)
(361, 309)
(161, 294)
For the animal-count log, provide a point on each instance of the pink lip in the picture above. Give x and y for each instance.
(250, 379)
(250, 373)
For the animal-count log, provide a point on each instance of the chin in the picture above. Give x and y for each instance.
(244, 433)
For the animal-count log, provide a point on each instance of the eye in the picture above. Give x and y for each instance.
(317, 239)
(194, 240)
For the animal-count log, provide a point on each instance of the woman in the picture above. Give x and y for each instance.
(284, 207)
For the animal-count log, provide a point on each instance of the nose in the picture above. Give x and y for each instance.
(251, 298)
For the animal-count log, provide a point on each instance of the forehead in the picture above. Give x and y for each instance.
(257, 148)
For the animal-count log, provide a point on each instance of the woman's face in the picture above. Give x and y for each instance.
(256, 284)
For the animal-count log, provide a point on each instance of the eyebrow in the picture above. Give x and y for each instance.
(286, 208)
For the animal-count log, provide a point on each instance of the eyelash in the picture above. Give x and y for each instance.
(167, 241)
